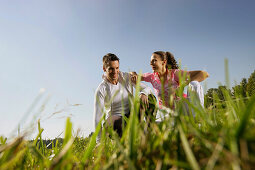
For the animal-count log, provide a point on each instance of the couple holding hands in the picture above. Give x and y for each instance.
(112, 94)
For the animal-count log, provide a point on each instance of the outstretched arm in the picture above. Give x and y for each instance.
(198, 75)
(189, 76)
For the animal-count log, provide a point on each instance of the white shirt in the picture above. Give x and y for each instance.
(112, 99)
(198, 89)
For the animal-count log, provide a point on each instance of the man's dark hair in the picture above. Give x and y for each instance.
(109, 57)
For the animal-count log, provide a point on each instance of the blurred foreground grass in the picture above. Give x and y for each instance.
(216, 138)
(219, 137)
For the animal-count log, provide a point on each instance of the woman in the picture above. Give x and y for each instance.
(166, 77)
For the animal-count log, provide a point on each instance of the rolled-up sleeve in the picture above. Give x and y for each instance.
(145, 89)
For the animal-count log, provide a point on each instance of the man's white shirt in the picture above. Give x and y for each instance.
(114, 99)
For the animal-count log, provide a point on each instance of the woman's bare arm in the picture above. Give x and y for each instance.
(198, 75)
(189, 76)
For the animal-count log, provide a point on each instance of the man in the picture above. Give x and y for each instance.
(112, 94)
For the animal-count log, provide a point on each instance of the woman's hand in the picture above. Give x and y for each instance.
(133, 76)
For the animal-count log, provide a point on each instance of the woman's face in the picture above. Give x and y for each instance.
(157, 64)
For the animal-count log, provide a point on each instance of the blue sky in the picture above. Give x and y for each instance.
(58, 45)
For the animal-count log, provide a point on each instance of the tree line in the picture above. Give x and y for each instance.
(218, 96)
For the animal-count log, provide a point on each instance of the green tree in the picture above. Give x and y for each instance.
(221, 90)
(251, 84)
(241, 89)
(237, 90)
(209, 97)
(243, 85)
(216, 96)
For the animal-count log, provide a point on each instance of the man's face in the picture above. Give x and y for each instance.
(112, 70)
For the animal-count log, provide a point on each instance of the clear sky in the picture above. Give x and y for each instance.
(58, 45)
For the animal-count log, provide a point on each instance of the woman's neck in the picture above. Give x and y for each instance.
(162, 72)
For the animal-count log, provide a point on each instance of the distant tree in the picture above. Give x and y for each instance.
(243, 85)
(251, 84)
(221, 92)
(237, 90)
(209, 97)
(241, 89)
(217, 96)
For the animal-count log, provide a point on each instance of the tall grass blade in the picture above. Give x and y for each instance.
(10, 150)
(131, 165)
(40, 137)
(133, 121)
(215, 155)
(87, 154)
(190, 156)
(56, 162)
(245, 117)
(10, 164)
(68, 131)
(65, 154)
(227, 73)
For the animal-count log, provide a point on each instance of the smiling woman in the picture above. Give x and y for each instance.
(166, 78)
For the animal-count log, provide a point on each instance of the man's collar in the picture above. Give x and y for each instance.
(105, 78)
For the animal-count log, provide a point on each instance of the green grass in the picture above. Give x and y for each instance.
(217, 138)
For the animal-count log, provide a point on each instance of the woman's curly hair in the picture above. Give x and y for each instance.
(169, 57)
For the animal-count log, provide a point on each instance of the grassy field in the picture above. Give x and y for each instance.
(221, 136)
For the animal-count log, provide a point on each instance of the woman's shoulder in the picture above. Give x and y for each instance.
(148, 76)
(176, 71)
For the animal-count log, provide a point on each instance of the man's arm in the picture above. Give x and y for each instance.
(134, 76)
(144, 89)
(98, 106)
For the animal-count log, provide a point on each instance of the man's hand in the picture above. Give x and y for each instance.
(145, 101)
